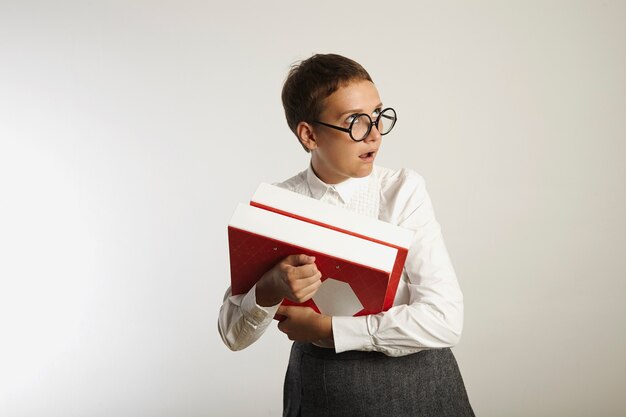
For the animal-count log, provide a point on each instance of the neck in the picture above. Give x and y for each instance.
(327, 178)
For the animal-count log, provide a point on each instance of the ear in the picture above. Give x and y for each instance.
(306, 135)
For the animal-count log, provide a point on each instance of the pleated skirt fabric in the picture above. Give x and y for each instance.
(320, 383)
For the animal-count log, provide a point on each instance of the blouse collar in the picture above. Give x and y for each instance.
(345, 189)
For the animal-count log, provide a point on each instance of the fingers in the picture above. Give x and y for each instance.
(306, 293)
(289, 311)
(299, 323)
(283, 311)
(300, 277)
(305, 281)
(282, 326)
(294, 273)
(307, 270)
(298, 260)
(302, 289)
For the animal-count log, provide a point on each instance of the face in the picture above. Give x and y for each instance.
(335, 157)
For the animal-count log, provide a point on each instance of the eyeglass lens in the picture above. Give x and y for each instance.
(362, 125)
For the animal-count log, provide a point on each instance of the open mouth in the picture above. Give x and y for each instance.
(368, 155)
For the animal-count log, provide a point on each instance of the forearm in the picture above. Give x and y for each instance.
(266, 293)
(241, 321)
(428, 314)
(429, 307)
(402, 330)
(244, 318)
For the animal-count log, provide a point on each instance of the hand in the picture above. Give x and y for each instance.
(296, 278)
(303, 324)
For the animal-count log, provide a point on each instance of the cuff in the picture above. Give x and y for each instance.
(351, 333)
(253, 312)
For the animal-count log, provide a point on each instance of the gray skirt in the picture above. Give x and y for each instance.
(320, 382)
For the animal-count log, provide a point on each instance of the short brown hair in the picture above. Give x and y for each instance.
(311, 81)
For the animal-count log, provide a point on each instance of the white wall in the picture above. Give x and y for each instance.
(130, 130)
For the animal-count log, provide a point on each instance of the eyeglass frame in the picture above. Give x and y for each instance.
(369, 128)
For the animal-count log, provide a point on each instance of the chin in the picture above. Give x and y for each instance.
(363, 171)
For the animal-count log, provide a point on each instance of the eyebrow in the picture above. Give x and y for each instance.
(378, 106)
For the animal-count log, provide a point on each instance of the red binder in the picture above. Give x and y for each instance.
(364, 256)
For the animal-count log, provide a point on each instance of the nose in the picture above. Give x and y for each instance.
(374, 134)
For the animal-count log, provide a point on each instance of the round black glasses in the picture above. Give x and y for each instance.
(361, 124)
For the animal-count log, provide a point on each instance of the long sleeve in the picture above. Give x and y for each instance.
(241, 321)
(428, 309)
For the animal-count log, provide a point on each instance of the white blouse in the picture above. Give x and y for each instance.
(428, 307)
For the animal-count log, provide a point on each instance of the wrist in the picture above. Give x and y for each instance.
(326, 327)
(266, 294)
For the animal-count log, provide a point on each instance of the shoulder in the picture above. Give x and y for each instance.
(399, 181)
(297, 183)
(402, 191)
